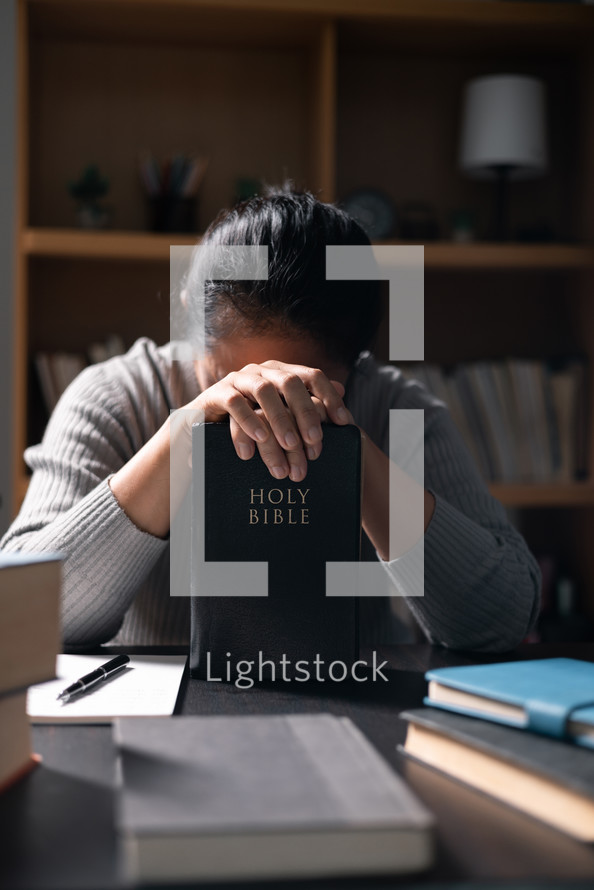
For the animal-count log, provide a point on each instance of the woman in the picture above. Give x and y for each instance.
(281, 356)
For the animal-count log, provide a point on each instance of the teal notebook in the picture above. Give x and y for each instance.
(552, 696)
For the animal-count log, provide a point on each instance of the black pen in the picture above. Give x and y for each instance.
(89, 680)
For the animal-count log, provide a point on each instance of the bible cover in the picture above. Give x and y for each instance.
(295, 527)
(551, 696)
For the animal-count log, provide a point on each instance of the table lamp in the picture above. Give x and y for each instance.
(503, 135)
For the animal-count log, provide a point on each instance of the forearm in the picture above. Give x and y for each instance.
(376, 504)
(469, 587)
(473, 583)
(142, 486)
(99, 424)
(107, 559)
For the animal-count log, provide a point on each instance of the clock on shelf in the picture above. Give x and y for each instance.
(374, 211)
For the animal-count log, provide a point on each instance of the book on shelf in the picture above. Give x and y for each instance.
(30, 626)
(294, 527)
(262, 797)
(522, 420)
(551, 696)
(56, 370)
(548, 779)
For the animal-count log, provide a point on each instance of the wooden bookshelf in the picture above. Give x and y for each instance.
(337, 95)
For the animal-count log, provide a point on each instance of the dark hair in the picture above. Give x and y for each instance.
(296, 298)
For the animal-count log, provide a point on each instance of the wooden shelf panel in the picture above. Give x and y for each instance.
(110, 245)
(559, 494)
(441, 255)
(64, 18)
(509, 256)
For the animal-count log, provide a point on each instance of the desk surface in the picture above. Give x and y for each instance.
(57, 829)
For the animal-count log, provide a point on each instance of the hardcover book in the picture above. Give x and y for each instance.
(549, 779)
(294, 527)
(262, 797)
(16, 757)
(30, 626)
(553, 696)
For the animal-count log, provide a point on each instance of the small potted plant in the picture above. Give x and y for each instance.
(87, 191)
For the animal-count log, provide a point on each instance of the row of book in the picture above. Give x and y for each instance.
(523, 420)
(521, 732)
(57, 370)
(29, 644)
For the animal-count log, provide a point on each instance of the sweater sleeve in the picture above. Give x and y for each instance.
(481, 583)
(98, 424)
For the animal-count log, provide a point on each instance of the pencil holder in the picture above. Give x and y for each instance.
(169, 213)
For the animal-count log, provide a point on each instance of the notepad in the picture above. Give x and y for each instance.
(147, 687)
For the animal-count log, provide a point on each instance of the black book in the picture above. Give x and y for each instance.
(550, 779)
(294, 527)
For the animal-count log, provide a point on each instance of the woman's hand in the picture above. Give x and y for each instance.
(277, 408)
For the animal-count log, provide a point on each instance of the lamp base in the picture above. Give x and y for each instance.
(500, 225)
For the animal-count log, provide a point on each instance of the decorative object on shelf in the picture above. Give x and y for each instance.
(418, 222)
(87, 192)
(374, 210)
(171, 188)
(463, 228)
(503, 135)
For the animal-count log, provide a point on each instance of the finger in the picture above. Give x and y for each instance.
(244, 445)
(224, 399)
(316, 382)
(312, 452)
(339, 387)
(284, 463)
(297, 403)
(274, 457)
(295, 463)
(265, 392)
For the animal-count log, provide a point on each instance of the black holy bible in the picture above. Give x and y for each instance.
(241, 514)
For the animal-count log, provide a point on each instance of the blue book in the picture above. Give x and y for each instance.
(551, 696)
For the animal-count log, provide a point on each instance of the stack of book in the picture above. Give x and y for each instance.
(523, 420)
(29, 643)
(522, 732)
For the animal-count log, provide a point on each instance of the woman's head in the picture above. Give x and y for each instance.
(295, 302)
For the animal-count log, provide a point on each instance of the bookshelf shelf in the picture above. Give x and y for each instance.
(109, 245)
(508, 256)
(114, 245)
(554, 494)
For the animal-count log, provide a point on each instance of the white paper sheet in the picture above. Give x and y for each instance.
(147, 687)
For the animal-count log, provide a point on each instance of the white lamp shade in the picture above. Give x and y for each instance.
(504, 124)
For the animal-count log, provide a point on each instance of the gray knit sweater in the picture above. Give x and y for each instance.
(481, 584)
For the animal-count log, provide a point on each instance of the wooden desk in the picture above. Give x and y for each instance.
(57, 830)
